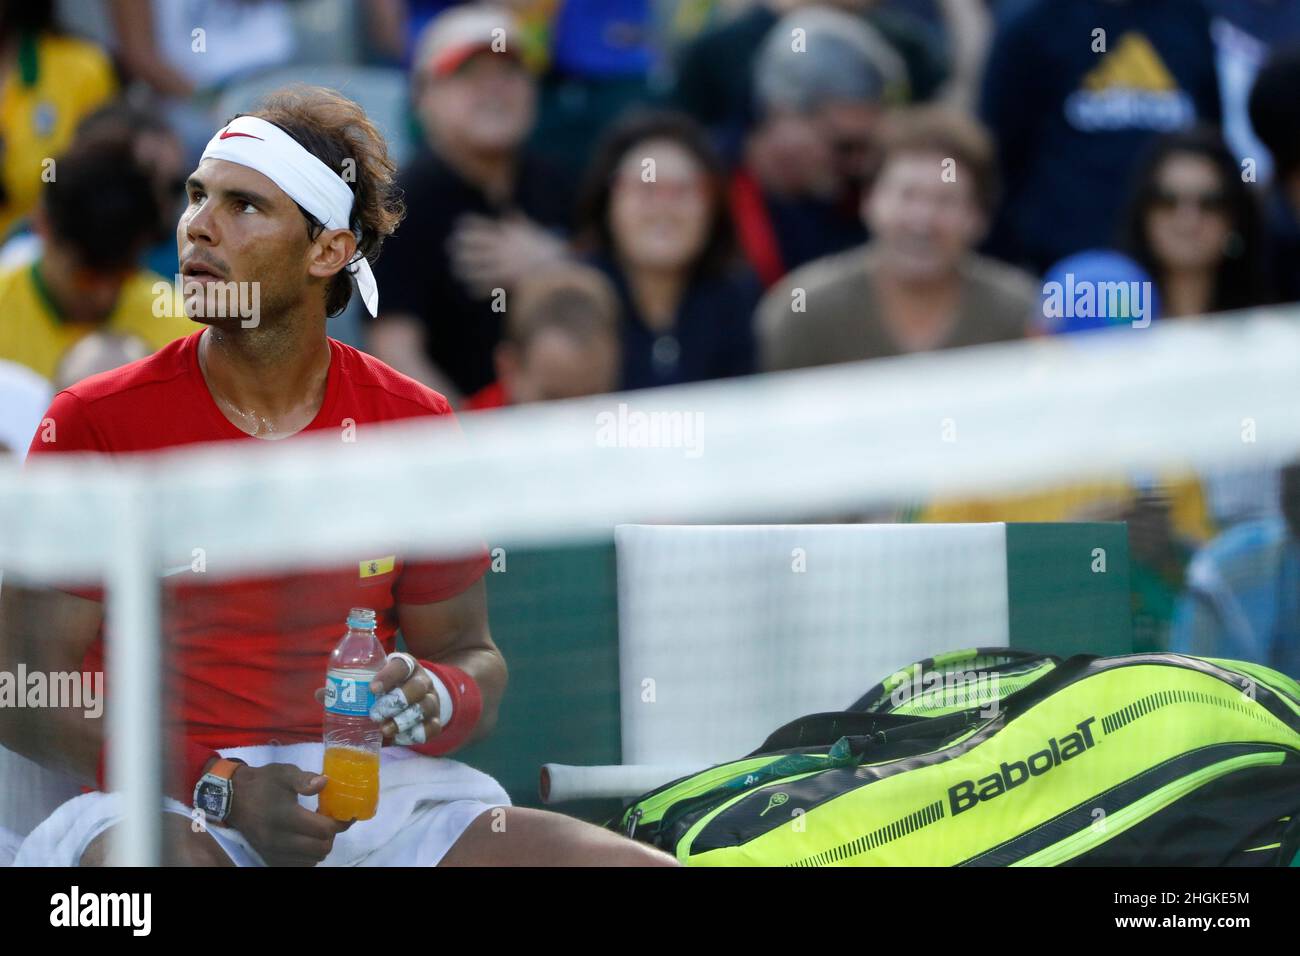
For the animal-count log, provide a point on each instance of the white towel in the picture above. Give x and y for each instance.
(425, 803)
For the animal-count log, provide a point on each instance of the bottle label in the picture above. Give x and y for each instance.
(348, 693)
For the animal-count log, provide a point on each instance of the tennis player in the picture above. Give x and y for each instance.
(292, 203)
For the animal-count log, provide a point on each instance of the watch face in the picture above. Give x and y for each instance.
(210, 799)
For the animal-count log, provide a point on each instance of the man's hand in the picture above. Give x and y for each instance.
(406, 708)
(488, 254)
(406, 702)
(266, 811)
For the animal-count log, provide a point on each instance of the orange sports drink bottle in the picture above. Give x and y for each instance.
(352, 739)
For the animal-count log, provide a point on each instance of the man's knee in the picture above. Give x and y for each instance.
(182, 846)
(525, 837)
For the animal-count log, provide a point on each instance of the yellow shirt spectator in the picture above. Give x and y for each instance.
(1094, 501)
(54, 83)
(33, 330)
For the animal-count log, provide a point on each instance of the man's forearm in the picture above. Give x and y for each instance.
(487, 668)
(62, 739)
(33, 623)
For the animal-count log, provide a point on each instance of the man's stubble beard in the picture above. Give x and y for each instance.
(278, 331)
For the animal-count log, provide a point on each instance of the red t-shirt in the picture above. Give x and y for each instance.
(488, 397)
(245, 655)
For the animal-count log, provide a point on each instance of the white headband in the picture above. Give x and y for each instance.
(263, 146)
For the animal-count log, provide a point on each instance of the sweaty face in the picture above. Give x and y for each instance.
(1187, 221)
(242, 243)
(660, 223)
(925, 222)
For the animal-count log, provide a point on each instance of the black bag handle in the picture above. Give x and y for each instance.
(824, 729)
(1016, 655)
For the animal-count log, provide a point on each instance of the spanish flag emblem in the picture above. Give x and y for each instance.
(377, 566)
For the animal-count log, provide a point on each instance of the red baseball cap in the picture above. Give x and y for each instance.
(458, 34)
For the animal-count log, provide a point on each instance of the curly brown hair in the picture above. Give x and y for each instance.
(337, 131)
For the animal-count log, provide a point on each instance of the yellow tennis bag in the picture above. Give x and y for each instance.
(998, 757)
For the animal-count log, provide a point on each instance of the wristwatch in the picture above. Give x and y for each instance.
(214, 794)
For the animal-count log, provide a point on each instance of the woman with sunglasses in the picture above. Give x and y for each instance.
(1194, 224)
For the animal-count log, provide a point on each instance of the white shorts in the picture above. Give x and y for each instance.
(425, 804)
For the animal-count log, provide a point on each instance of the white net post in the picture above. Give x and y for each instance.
(134, 657)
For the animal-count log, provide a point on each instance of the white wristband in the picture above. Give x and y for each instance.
(445, 707)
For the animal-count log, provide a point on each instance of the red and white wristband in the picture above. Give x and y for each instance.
(460, 705)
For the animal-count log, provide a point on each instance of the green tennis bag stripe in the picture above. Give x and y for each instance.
(934, 786)
(1082, 818)
(1144, 810)
(814, 790)
(1046, 731)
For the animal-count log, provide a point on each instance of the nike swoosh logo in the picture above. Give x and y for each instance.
(226, 134)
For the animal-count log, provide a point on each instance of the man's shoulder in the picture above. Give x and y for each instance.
(1000, 278)
(1245, 554)
(65, 54)
(1248, 538)
(14, 278)
(164, 367)
(1002, 292)
(396, 395)
(841, 273)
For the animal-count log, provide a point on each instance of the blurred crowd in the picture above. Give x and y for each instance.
(670, 191)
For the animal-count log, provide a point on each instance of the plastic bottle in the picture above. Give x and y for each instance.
(352, 739)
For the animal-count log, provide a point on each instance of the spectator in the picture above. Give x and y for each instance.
(157, 43)
(654, 218)
(715, 72)
(24, 396)
(94, 222)
(796, 197)
(97, 352)
(479, 207)
(49, 83)
(1243, 590)
(1166, 517)
(561, 340)
(184, 51)
(1275, 115)
(917, 285)
(1244, 33)
(601, 58)
(158, 150)
(1196, 227)
(1072, 91)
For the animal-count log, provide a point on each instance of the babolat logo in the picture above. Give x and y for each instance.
(968, 793)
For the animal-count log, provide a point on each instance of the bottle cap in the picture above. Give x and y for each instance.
(362, 617)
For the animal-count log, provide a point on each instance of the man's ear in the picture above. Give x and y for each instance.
(331, 252)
